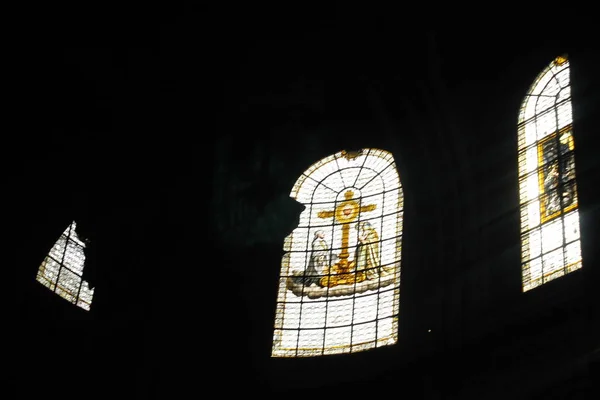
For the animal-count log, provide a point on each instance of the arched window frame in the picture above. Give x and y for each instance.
(344, 308)
(550, 235)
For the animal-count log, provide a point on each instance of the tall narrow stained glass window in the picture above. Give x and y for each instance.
(62, 268)
(550, 245)
(339, 288)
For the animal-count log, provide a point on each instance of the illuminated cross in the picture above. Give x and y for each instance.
(345, 213)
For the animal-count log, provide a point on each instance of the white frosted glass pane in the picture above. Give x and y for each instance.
(529, 107)
(533, 214)
(573, 253)
(386, 306)
(69, 283)
(530, 160)
(349, 176)
(389, 226)
(543, 105)
(85, 296)
(535, 243)
(546, 123)
(552, 235)
(572, 226)
(58, 250)
(338, 336)
(365, 308)
(339, 312)
(565, 114)
(386, 328)
(390, 179)
(551, 89)
(535, 268)
(313, 315)
(334, 182)
(366, 175)
(364, 333)
(324, 194)
(562, 77)
(292, 315)
(376, 164)
(552, 261)
(389, 253)
(564, 94)
(49, 269)
(530, 132)
(300, 239)
(74, 258)
(298, 261)
(392, 201)
(289, 339)
(373, 187)
(529, 188)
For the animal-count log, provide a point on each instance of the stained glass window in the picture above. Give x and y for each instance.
(550, 246)
(339, 287)
(62, 268)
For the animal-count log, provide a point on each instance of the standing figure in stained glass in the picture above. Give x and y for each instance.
(568, 169)
(318, 262)
(560, 171)
(551, 188)
(367, 257)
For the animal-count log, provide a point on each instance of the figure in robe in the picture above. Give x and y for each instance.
(567, 170)
(559, 184)
(367, 259)
(318, 262)
(551, 188)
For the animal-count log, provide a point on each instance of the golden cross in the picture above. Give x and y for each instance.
(345, 213)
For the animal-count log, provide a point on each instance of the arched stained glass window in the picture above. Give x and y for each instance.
(550, 245)
(62, 268)
(340, 275)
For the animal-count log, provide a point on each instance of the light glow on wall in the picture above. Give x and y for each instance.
(62, 269)
(340, 276)
(550, 245)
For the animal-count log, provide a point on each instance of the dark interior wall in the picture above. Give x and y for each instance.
(175, 150)
(454, 137)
